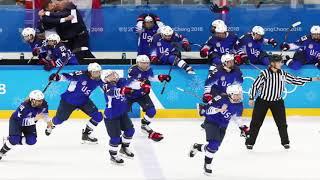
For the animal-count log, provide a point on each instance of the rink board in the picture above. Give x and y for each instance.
(17, 81)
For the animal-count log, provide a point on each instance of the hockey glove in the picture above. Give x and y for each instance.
(54, 77)
(272, 42)
(49, 128)
(202, 109)
(154, 59)
(50, 65)
(164, 77)
(36, 51)
(241, 58)
(207, 97)
(43, 61)
(126, 90)
(155, 136)
(204, 52)
(145, 88)
(244, 131)
(284, 47)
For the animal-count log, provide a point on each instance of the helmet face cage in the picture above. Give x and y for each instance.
(236, 98)
(53, 39)
(234, 92)
(221, 31)
(166, 32)
(144, 66)
(113, 77)
(95, 70)
(148, 22)
(216, 23)
(257, 32)
(36, 98)
(109, 76)
(143, 62)
(315, 32)
(95, 74)
(28, 35)
(227, 61)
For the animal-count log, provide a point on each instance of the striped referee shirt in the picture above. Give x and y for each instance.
(270, 85)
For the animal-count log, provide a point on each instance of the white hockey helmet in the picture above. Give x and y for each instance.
(234, 89)
(36, 95)
(167, 31)
(143, 59)
(28, 32)
(148, 19)
(221, 28)
(94, 67)
(215, 23)
(106, 73)
(227, 57)
(53, 37)
(315, 29)
(258, 30)
(235, 93)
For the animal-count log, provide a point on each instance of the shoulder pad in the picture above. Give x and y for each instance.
(132, 68)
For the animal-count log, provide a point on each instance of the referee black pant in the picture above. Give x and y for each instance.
(259, 113)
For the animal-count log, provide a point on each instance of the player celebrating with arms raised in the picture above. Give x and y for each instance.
(82, 83)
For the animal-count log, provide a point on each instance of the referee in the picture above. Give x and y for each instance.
(270, 85)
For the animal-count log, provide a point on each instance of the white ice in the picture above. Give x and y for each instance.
(62, 156)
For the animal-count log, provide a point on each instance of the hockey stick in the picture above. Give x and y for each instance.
(165, 83)
(287, 33)
(289, 30)
(30, 59)
(195, 44)
(190, 93)
(49, 83)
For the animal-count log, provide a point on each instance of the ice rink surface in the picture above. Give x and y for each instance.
(62, 156)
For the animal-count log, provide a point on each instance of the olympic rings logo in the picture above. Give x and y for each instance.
(285, 93)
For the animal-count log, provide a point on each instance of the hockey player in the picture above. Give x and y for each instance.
(217, 117)
(221, 42)
(307, 50)
(22, 124)
(249, 47)
(82, 83)
(214, 25)
(116, 116)
(164, 49)
(56, 54)
(143, 73)
(218, 81)
(35, 42)
(147, 26)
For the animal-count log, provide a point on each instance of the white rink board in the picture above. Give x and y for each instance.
(61, 156)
